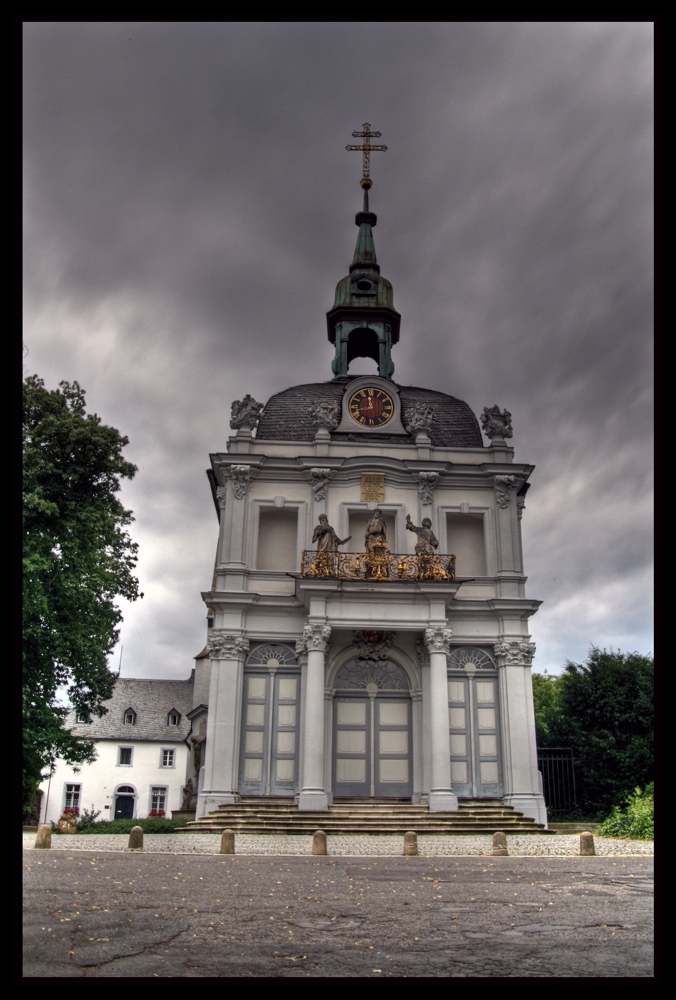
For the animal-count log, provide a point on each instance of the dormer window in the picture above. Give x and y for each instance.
(173, 718)
(130, 717)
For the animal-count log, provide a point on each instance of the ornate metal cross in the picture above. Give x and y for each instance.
(366, 148)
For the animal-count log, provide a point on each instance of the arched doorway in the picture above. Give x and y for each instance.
(124, 802)
(372, 731)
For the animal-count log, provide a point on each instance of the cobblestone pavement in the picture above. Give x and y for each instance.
(93, 914)
(429, 845)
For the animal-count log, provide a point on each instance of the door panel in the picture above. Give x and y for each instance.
(269, 749)
(473, 722)
(372, 747)
(393, 765)
(352, 747)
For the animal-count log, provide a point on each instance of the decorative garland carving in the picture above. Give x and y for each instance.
(502, 486)
(325, 413)
(241, 477)
(221, 492)
(420, 418)
(426, 483)
(520, 506)
(319, 480)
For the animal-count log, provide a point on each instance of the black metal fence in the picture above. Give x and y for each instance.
(557, 767)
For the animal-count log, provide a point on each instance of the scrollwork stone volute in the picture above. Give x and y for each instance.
(241, 476)
(316, 637)
(223, 646)
(437, 640)
(496, 423)
(503, 487)
(419, 419)
(245, 413)
(426, 483)
(514, 653)
(319, 480)
(325, 413)
(221, 493)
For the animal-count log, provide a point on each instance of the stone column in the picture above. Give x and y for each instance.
(223, 724)
(313, 795)
(441, 798)
(424, 660)
(234, 536)
(517, 717)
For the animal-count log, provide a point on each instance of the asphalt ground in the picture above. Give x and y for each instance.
(150, 915)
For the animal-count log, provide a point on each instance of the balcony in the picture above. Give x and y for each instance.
(383, 566)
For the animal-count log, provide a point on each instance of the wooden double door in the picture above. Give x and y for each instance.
(269, 748)
(372, 745)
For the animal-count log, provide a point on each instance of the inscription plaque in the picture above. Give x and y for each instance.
(373, 487)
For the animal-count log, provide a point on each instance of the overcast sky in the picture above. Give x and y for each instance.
(189, 209)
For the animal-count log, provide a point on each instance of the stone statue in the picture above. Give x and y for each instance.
(419, 419)
(376, 537)
(496, 423)
(326, 538)
(325, 413)
(187, 796)
(427, 541)
(245, 412)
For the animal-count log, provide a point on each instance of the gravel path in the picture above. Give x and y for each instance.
(429, 845)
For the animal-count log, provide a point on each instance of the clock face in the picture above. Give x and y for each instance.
(371, 407)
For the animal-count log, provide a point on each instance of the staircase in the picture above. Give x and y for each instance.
(259, 815)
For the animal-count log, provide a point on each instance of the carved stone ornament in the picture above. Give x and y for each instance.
(220, 496)
(520, 506)
(426, 483)
(227, 647)
(241, 477)
(316, 637)
(437, 640)
(245, 412)
(502, 486)
(325, 413)
(515, 653)
(420, 418)
(372, 645)
(319, 480)
(496, 423)
(423, 654)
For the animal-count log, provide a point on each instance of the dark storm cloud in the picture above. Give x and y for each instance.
(189, 210)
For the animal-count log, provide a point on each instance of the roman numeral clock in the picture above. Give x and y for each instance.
(371, 407)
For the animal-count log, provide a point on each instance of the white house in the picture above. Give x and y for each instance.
(142, 755)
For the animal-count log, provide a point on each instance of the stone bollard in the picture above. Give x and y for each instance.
(135, 839)
(319, 842)
(228, 842)
(410, 844)
(43, 841)
(587, 845)
(499, 845)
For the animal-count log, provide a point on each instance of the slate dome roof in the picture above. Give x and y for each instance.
(286, 417)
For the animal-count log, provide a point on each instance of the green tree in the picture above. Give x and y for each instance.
(604, 710)
(77, 559)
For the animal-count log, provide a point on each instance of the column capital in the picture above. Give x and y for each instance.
(315, 637)
(241, 476)
(503, 487)
(437, 640)
(514, 653)
(224, 646)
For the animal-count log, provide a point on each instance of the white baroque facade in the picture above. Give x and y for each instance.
(329, 678)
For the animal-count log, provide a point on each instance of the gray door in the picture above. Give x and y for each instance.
(269, 748)
(372, 747)
(473, 719)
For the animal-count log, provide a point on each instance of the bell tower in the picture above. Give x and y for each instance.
(363, 322)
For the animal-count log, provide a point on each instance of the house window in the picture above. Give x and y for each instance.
(130, 717)
(167, 759)
(174, 718)
(72, 797)
(125, 757)
(158, 801)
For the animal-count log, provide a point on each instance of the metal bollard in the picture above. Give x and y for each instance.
(319, 842)
(410, 844)
(228, 842)
(135, 839)
(499, 844)
(43, 841)
(587, 845)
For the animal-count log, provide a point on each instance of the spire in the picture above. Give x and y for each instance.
(363, 322)
(365, 250)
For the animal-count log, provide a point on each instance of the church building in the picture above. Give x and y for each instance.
(368, 619)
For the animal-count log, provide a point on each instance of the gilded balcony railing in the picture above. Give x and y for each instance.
(371, 566)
